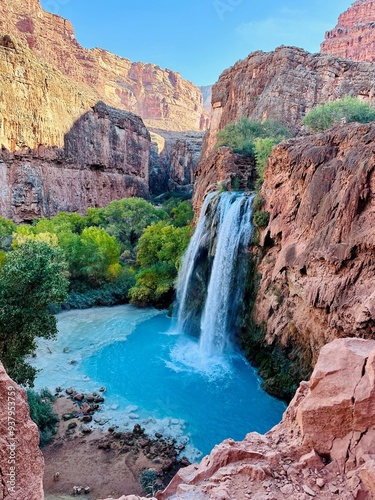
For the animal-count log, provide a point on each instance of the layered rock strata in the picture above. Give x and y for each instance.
(21, 461)
(174, 160)
(318, 263)
(284, 85)
(161, 97)
(323, 448)
(105, 156)
(354, 36)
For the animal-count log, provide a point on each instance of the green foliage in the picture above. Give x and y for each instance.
(181, 212)
(33, 277)
(262, 150)
(241, 136)
(148, 479)
(41, 412)
(348, 109)
(261, 218)
(125, 220)
(160, 250)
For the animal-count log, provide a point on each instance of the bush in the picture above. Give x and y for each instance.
(261, 219)
(148, 479)
(346, 110)
(41, 412)
(241, 136)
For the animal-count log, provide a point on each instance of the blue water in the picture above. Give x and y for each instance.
(165, 375)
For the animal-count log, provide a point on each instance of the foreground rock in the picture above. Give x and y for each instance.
(323, 448)
(318, 263)
(354, 36)
(21, 462)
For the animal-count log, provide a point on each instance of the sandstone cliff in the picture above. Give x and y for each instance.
(323, 447)
(354, 36)
(318, 262)
(284, 85)
(174, 160)
(161, 97)
(21, 462)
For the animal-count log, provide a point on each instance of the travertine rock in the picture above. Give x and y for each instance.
(222, 168)
(318, 450)
(161, 97)
(318, 267)
(354, 36)
(21, 461)
(284, 85)
(105, 156)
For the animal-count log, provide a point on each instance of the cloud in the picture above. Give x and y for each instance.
(291, 27)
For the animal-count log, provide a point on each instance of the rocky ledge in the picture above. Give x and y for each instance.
(323, 448)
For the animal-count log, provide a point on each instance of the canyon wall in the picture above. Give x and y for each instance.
(284, 85)
(21, 461)
(354, 36)
(174, 160)
(317, 268)
(161, 97)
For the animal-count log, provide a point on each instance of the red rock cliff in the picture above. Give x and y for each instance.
(318, 266)
(21, 461)
(354, 36)
(161, 97)
(284, 85)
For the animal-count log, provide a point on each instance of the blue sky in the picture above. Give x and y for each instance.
(198, 38)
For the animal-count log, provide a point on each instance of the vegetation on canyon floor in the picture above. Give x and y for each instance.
(128, 251)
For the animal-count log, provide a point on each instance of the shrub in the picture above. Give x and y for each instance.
(41, 412)
(348, 109)
(262, 150)
(241, 135)
(261, 218)
(148, 479)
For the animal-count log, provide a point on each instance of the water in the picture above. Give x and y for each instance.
(233, 238)
(156, 378)
(215, 264)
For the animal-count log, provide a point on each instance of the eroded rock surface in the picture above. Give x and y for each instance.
(318, 266)
(161, 97)
(105, 156)
(284, 85)
(354, 36)
(21, 461)
(323, 448)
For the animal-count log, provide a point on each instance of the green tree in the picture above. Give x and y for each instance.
(348, 109)
(32, 278)
(160, 250)
(241, 135)
(262, 150)
(41, 412)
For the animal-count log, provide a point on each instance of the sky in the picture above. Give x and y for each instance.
(198, 38)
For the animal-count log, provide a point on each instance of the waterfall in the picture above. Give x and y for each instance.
(222, 236)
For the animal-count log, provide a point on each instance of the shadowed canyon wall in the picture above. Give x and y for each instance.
(161, 97)
(354, 36)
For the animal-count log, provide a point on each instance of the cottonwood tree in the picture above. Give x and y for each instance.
(32, 278)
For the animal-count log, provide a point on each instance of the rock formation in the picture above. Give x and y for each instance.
(21, 462)
(354, 36)
(207, 96)
(318, 262)
(284, 85)
(161, 97)
(174, 160)
(323, 448)
(222, 169)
